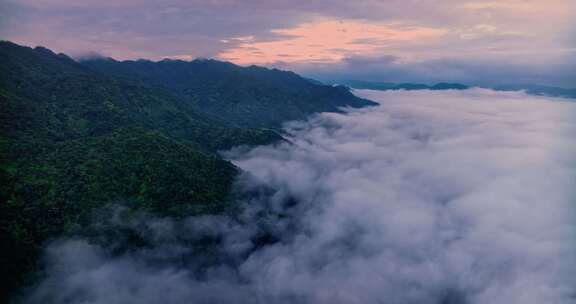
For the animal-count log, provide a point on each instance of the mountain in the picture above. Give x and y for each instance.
(532, 89)
(75, 136)
(449, 86)
(237, 96)
(538, 90)
(385, 86)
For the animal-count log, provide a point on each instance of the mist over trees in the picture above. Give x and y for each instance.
(76, 136)
(430, 197)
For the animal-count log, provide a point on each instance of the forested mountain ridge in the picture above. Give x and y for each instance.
(238, 96)
(75, 136)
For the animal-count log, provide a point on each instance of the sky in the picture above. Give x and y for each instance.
(488, 41)
(461, 197)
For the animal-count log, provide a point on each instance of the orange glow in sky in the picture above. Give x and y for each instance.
(324, 41)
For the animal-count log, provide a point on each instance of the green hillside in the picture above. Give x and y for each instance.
(75, 137)
(247, 97)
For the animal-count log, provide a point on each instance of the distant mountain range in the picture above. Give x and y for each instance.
(528, 88)
(535, 89)
(75, 136)
(385, 86)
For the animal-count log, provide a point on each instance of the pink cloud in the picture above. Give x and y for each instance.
(326, 41)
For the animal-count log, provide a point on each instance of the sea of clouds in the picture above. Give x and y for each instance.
(440, 197)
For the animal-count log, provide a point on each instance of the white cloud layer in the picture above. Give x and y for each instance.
(432, 197)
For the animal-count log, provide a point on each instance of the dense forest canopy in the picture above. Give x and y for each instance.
(76, 136)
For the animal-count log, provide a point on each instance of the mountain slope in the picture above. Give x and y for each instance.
(74, 138)
(72, 141)
(87, 104)
(248, 97)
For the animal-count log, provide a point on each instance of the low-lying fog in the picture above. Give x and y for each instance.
(440, 197)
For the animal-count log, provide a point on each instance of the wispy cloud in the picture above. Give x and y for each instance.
(289, 34)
